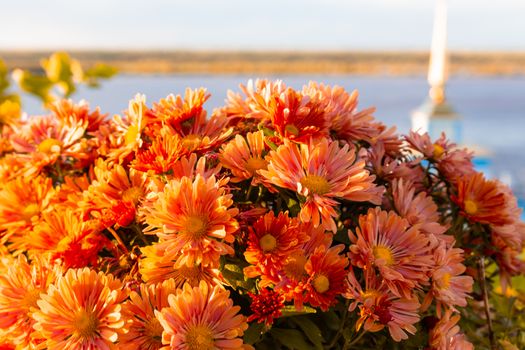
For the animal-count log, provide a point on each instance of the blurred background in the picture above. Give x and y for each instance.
(380, 47)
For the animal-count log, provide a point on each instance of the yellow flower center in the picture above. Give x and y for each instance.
(200, 338)
(85, 324)
(438, 151)
(321, 283)
(370, 294)
(316, 184)
(191, 141)
(196, 226)
(385, 253)
(292, 129)
(30, 211)
(132, 195)
(255, 163)
(132, 134)
(50, 146)
(294, 267)
(191, 274)
(153, 330)
(445, 281)
(471, 207)
(268, 243)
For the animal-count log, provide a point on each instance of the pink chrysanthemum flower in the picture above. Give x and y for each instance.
(449, 286)
(446, 336)
(341, 110)
(418, 209)
(400, 253)
(202, 318)
(21, 283)
(380, 308)
(194, 221)
(144, 329)
(82, 310)
(322, 173)
(245, 156)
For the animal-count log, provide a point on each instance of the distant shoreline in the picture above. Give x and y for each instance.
(260, 62)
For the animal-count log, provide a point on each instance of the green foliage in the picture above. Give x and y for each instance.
(60, 77)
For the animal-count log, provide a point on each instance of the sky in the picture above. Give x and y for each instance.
(257, 25)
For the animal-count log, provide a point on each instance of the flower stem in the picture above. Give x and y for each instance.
(483, 286)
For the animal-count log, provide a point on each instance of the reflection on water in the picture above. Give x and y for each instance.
(493, 108)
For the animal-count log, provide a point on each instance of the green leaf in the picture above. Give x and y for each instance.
(291, 338)
(61, 70)
(38, 86)
(310, 329)
(331, 320)
(4, 78)
(290, 310)
(98, 71)
(254, 333)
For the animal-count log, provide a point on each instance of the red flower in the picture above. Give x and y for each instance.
(266, 306)
(121, 214)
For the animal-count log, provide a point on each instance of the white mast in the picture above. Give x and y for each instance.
(435, 115)
(438, 67)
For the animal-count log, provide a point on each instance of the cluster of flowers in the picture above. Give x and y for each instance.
(166, 228)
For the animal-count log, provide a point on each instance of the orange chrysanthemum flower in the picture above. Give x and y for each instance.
(296, 116)
(163, 153)
(21, 283)
(82, 310)
(293, 279)
(245, 158)
(322, 173)
(66, 110)
(401, 253)
(126, 136)
(326, 268)
(48, 139)
(271, 240)
(481, 201)
(449, 287)
(202, 318)
(22, 202)
(156, 266)
(144, 329)
(187, 119)
(194, 221)
(64, 234)
(380, 308)
(113, 191)
(175, 111)
(191, 166)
